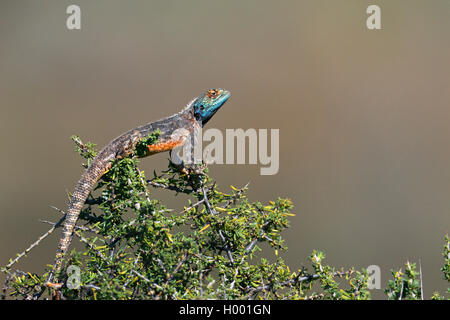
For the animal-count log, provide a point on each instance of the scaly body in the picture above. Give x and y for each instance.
(175, 131)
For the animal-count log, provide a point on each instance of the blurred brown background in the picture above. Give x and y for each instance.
(363, 115)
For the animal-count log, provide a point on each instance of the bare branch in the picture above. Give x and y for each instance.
(34, 244)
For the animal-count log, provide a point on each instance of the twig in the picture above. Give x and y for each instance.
(296, 281)
(146, 280)
(250, 246)
(192, 206)
(57, 209)
(222, 237)
(91, 246)
(234, 279)
(168, 187)
(34, 244)
(134, 265)
(177, 268)
(82, 228)
(401, 290)
(235, 197)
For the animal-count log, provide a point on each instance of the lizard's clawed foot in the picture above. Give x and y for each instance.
(56, 295)
(187, 169)
(53, 285)
(195, 169)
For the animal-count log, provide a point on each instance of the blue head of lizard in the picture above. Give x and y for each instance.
(208, 103)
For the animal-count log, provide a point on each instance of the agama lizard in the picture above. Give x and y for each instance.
(174, 132)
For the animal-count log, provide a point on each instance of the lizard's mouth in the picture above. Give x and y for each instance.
(225, 95)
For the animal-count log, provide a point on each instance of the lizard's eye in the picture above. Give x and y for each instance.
(212, 93)
(202, 108)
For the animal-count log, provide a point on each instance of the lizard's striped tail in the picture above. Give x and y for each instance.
(82, 190)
